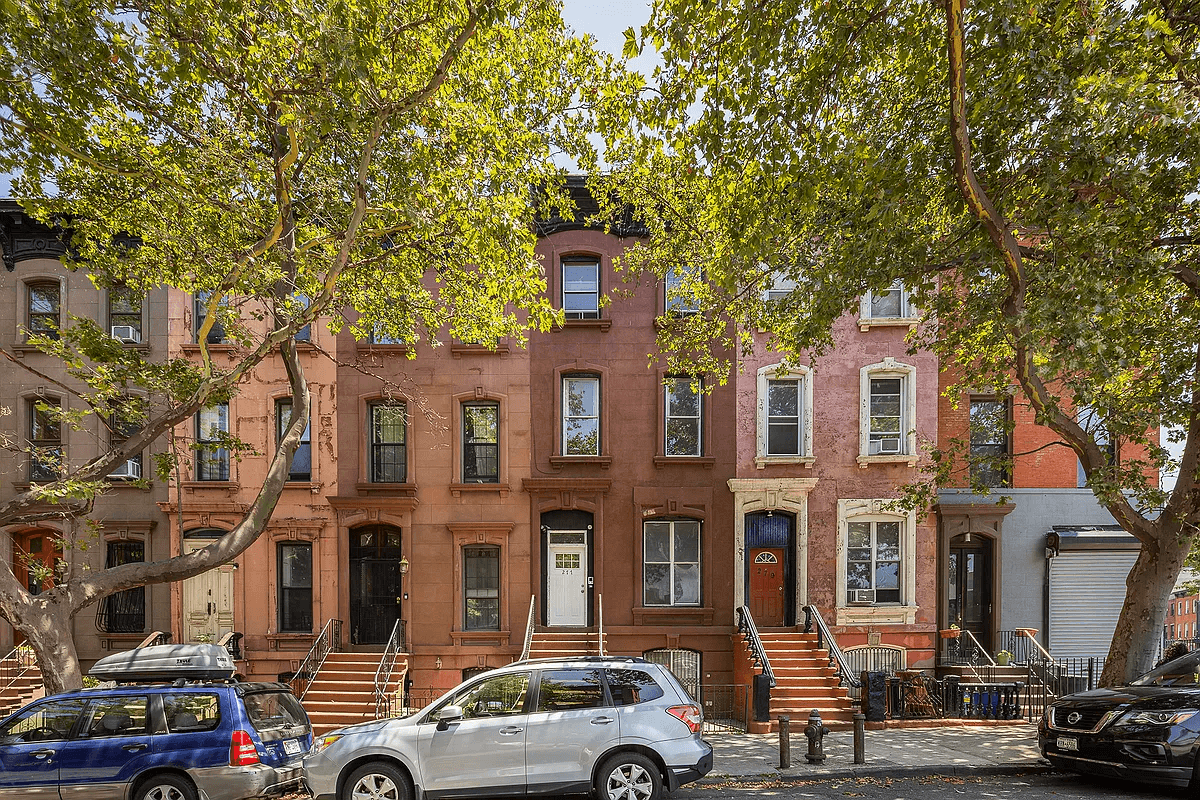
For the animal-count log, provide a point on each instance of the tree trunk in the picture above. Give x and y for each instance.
(50, 636)
(1148, 588)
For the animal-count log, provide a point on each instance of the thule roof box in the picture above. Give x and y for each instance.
(166, 662)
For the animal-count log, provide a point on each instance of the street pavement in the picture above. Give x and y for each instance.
(959, 750)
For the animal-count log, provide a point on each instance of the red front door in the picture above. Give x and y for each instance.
(766, 587)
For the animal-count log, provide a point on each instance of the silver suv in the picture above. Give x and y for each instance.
(622, 727)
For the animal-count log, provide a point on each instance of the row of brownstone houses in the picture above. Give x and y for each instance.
(453, 489)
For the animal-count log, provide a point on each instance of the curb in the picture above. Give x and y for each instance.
(792, 775)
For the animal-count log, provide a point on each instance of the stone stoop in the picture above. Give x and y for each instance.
(25, 689)
(560, 643)
(343, 691)
(804, 680)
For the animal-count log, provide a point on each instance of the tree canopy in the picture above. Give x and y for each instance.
(1028, 169)
(284, 161)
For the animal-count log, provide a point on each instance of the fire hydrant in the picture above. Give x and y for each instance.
(815, 732)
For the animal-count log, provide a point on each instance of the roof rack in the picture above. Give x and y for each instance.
(166, 662)
(625, 659)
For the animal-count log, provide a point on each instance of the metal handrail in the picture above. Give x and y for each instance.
(837, 658)
(327, 641)
(600, 625)
(1045, 654)
(528, 630)
(19, 660)
(156, 638)
(749, 632)
(979, 647)
(387, 662)
(232, 642)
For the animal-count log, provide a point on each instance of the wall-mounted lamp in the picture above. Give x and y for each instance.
(403, 565)
(967, 537)
(438, 664)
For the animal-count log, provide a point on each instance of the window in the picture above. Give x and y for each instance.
(126, 420)
(45, 440)
(671, 552)
(389, 459)
(44, 722)
(217, 334)
(570, 690)
(481, 443)
(125, 314)
(212, 457)
(381, 336)
(581, 288)
(116, 716)
(45, 308)
(192, 712)
(887, 411)
(123, 612)
(784, 413)
(873, 560)
(632, 686)
(581, 415)
(684, 665)
(1092, 421)
(497, 696)
(680, 298)
(990, 452)
(779, 287)
(305, 333)
(301, 462)
(890, 303)
(682, 400)
(481, 588)
(295, 587)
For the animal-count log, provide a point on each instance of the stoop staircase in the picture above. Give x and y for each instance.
(20, 681)
(559, 642)
(804, 680)
(343, 690)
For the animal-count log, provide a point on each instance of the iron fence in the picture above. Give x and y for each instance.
(726, 708)
(920, 696)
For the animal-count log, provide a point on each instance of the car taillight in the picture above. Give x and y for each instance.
(242, 752)
(688, 715)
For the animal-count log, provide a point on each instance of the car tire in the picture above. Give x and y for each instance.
(166, 787)
(629, 776)
(377, 779)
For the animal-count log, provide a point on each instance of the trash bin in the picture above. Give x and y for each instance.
(874, 696)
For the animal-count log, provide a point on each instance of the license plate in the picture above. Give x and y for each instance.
(1067, 743)
(292, 747)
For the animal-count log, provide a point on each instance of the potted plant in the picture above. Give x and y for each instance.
(951, 633)
(1003, 658)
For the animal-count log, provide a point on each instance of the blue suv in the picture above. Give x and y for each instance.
(167, 728)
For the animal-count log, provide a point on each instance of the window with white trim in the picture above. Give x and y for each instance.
(890, 303)
(784, 413)
(581, 415)
(876, 563)
(680, 298)
(581, 288)
(683, 406)
(887, 412)
(671, 562)
(873, 561)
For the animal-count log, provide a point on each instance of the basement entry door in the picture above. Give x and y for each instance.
(566, 578)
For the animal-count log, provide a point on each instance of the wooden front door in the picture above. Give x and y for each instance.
(36, 560)
(207, 600)
(767, 590)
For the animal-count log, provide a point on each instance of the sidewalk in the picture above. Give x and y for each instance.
(955, 751)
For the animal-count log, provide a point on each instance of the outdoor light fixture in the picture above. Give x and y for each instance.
(403, 565)
(438, 664)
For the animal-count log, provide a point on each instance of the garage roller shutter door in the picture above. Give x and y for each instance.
(1087, 590)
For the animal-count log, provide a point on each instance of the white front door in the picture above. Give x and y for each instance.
(207, 600)
(567, 579)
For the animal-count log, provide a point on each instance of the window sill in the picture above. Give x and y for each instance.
(121, 641)
(481, 638)
(230, 486)
(120, 483)
(866, 323)
(311, 486)
(223, 347)
(673, 615)
(289, 641)
(460, 350)
(766, 461)
(602, 324)
(23, 348)
(704, 461)
(393, 489)
(386, 349)
(877, 615)
(902, 458)
(559, 461)
(502, 489)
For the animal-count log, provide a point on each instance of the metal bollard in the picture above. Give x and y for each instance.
(815, 732)
(785, 742)
(860, 738)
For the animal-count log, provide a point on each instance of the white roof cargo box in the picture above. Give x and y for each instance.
(166, 662)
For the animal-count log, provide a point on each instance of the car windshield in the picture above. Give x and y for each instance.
(276, 715)
(1183, 671)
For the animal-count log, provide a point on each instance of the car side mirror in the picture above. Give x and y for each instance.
(450, 713)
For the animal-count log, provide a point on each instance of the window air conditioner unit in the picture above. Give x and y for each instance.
(886, 447)
(126, 333)
(131, 470)
(861, 597)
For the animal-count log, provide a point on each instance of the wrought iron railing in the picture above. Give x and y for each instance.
(726, 707)
(749, 633)
(814, 621)
(918, 696)
(232, 642)
(18, 661)
(965, 650)
(329, 640)
(529, 629)
(395, 646)
(122, 612)
(1021, 644)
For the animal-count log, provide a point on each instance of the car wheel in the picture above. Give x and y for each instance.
(166, 787)
(376, 781)
(628, 776)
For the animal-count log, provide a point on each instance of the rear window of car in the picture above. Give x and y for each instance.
(200, 711)
(117, 716)
(631, 686)
(276, 715)
(570, 689)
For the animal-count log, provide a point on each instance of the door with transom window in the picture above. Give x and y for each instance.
(567, 571)
(767, 587)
